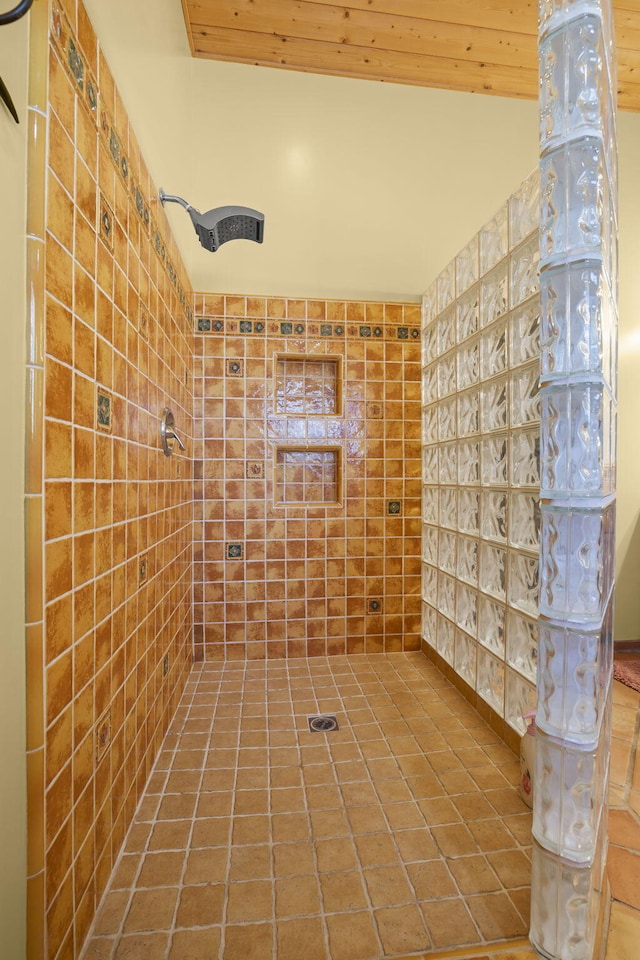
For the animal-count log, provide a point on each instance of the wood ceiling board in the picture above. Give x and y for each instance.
(307, 55)
(365, 30)
(478, 46)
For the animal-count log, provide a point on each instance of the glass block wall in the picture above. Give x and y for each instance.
(481, 481)
(578, 281)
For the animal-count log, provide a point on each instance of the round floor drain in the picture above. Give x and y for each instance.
(325, 723)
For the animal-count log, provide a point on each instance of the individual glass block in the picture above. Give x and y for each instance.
(493, 350)
(520, 698)
(447, 552)
(430, 497)
(524, 333)
(585, 74)
(577, 323)
(574, 94)
(494, 294)
(429, 343)
(577, 550)
(570, 782)
(447, 419)
(430, 383)
(429, 585)
(468, 560)
(523, 209)
(447, 375)
(494, 460)
(446, 639)
(430, 544)
(524, 460)
(429, 424)
(565, 902)
(522, 645)
(468, 462)
(490, 680)
(492, 570)
(493, 405)
(468, 412)
(465, 658)
(468, 313)
(468, 357)
(524, 520)
(448, 463)
(494, 239)
(467, 609)
(468, 511)
(430, 304)
(430, 473)
(467, 265)
(429, 624)
(493, 515)
(448, 507)
(525, 395)
(446, 330)
(552, 100)
(577, 441)
(446, 596)
(574, 670)
(523, 583)
(576, 210)
(446, 286)
(524, 279)
(491, 625)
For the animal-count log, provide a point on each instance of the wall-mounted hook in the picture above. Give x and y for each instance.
(6, 99)
(12, 15)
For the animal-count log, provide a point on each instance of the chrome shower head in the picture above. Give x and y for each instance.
(217, 226)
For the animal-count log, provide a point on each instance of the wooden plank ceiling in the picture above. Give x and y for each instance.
(478, 46)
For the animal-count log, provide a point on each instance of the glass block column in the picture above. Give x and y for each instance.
(578, 289)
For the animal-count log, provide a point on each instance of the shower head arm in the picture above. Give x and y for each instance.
(168, 198)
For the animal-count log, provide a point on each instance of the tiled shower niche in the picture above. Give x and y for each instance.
(308, 386)
(481, 456)
(308, 475)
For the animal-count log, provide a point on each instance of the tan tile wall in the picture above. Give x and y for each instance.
(109, 347)
(314, 579)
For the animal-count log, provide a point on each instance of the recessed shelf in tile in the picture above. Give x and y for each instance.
(308, 386)
(308, 475)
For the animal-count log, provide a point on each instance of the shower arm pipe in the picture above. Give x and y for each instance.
(12, 15)
(169, 198)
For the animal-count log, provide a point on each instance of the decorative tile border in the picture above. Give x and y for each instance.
(286, 328)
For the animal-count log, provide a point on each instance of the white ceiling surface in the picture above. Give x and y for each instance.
(368, 189)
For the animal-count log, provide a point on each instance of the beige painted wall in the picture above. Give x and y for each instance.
(628, 526)
(369, 190)
(367, 187)
(13, 68)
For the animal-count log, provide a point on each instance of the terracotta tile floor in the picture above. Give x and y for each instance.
(623, 860)
(400, 833)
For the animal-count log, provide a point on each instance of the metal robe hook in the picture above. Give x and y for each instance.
(10, 17)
